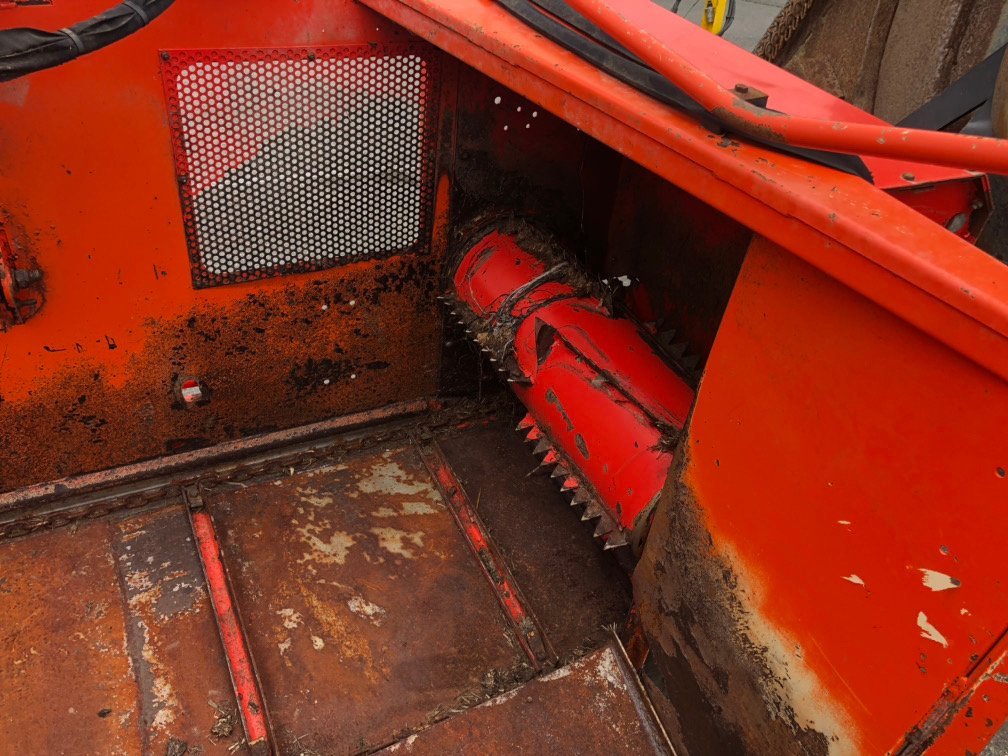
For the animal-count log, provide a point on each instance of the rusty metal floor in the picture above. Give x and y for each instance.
(372, 616)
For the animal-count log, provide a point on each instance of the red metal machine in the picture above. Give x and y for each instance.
(605, 409)
(279, 278)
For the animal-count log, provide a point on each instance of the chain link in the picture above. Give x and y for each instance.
(215, 479)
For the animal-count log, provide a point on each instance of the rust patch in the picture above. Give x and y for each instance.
(66, 683)
(354, 578)
(573, 587)
(365, 336)
(548, 715)
(715, 664)
(171, 637)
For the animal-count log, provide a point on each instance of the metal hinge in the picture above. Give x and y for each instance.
(21, 292)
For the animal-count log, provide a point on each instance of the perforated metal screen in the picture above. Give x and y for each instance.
(293, 160)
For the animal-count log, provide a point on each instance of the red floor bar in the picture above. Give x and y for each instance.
(532, 641)
(239, 659)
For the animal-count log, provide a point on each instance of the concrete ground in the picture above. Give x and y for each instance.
(752, 17)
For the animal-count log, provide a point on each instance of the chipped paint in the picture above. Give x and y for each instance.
(333, 550)
(364, 608)
(929, 631)
(284, 646)
(315, 498)
(391, 539)
(938, 581)
(389, 478)
(408, 508)
(317, 643)
(852, 578)
(291, 618)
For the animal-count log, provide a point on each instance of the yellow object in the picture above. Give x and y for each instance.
(715, 16)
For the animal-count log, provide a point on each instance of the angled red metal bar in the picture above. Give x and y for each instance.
(497, 573)
(629, 24)
(239, 658)
(851, 230)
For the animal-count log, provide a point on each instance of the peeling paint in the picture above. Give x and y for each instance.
(291, 618)
(938, 581)
(391, 539)
(391, 479)
(364, 608)
(333, 550)
(852, 578)
(317, 643)
(929, 631)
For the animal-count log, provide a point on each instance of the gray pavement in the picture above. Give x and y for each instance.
(752, 17)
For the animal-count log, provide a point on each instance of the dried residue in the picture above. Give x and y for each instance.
(388, 478)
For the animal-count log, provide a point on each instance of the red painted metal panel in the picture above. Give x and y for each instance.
(88, 189)
(852, 471)
(852, 231)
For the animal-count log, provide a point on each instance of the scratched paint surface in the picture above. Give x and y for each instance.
(171, 637)
(65, 682)
(107, 644)
(92, 381)
(365, 612)
(851, 474)
(547, 715)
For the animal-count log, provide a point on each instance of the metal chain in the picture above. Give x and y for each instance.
(212, 480)
(782, 29)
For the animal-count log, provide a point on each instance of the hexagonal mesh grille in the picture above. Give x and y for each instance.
(292, 160)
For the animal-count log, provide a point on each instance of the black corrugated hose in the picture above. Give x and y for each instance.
(24, 51)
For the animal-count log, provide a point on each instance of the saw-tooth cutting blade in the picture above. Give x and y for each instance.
(592, 510)
(551, 457)
(678, 350)
(581, 496)
(616, 539)
(534, 435)
(667, 337)
(526, 422)
(570, 484)
(603, 528)
(560, 472)
(542, 447)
